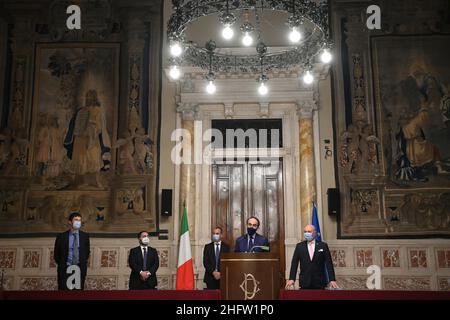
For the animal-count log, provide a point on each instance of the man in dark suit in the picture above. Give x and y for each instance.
(211, 259)
(251, 241)
(314, 257)
(72, 248)
(144, 263)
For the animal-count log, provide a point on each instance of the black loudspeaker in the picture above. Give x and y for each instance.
(166, 202)
(334, 203)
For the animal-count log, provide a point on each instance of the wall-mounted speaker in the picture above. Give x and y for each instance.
(334, 203)
(166, 202)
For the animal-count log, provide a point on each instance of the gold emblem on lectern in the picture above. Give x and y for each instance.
(247, 284)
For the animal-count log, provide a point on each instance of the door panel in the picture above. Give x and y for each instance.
(237, 200)
(244, 189)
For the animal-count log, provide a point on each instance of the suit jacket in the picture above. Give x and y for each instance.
(61, 251)
(136, 263)
(312, 271)
(209, 262)
(242, 243)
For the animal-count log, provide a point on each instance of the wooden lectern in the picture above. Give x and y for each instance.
(249, 276)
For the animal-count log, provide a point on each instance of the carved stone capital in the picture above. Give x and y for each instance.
(264, 109)
(188, 111)
(228, 109)
(305, 108)
(187, 84)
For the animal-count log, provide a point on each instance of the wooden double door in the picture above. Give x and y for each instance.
(249, 188)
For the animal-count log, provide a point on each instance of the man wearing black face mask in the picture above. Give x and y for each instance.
(144, 263)
(252, 241)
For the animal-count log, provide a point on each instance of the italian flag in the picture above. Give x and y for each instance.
(185, 271)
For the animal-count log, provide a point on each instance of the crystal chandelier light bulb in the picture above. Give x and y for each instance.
(211, 87)
(247, 40)
(308, 78)
(295, 35)
(326, 56)
(175, 49)
(263, 89)
(227, 32)
(174, 72)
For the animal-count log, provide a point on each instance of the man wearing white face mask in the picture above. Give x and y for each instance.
(144, 262)
(211, 259)
(72, 248)
(315, 259)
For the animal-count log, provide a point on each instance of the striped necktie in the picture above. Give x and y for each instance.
(75, 252)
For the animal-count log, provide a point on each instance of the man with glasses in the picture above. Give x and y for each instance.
(252, 241)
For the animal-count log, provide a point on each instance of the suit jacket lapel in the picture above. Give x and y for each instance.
(81, 239)
(305, 247)
(66, 242)
(316, 249)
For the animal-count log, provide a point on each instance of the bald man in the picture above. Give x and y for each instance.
(313, 257)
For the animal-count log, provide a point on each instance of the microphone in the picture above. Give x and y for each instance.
(263, 248)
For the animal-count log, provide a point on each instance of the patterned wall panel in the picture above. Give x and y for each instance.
(443, 258)
(339, 257)
(101, 283)
(8, 258)
(31, 258)
(352, 282)
(444, 283)
(163, 255)
(109, 258)
(406, 283)
(363, 257)
(38, 283)
(417, 258)
(51, 260)
(391, 257)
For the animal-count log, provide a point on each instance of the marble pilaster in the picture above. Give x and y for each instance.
(187, 170)
(307, 169)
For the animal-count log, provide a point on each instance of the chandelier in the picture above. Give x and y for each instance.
(306, 28)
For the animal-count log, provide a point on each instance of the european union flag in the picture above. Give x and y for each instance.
(315, 223)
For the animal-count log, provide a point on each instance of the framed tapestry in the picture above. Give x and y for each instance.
(395, 148)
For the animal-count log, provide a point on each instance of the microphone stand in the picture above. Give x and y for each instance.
(263, 248)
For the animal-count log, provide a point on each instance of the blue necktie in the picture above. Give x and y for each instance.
(250, 244)
(144, 267)
(217, 256)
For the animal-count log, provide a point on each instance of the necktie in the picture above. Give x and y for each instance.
(250, 246)
(311, 250)
(76, 253)
(144, 267)
(217, 256)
